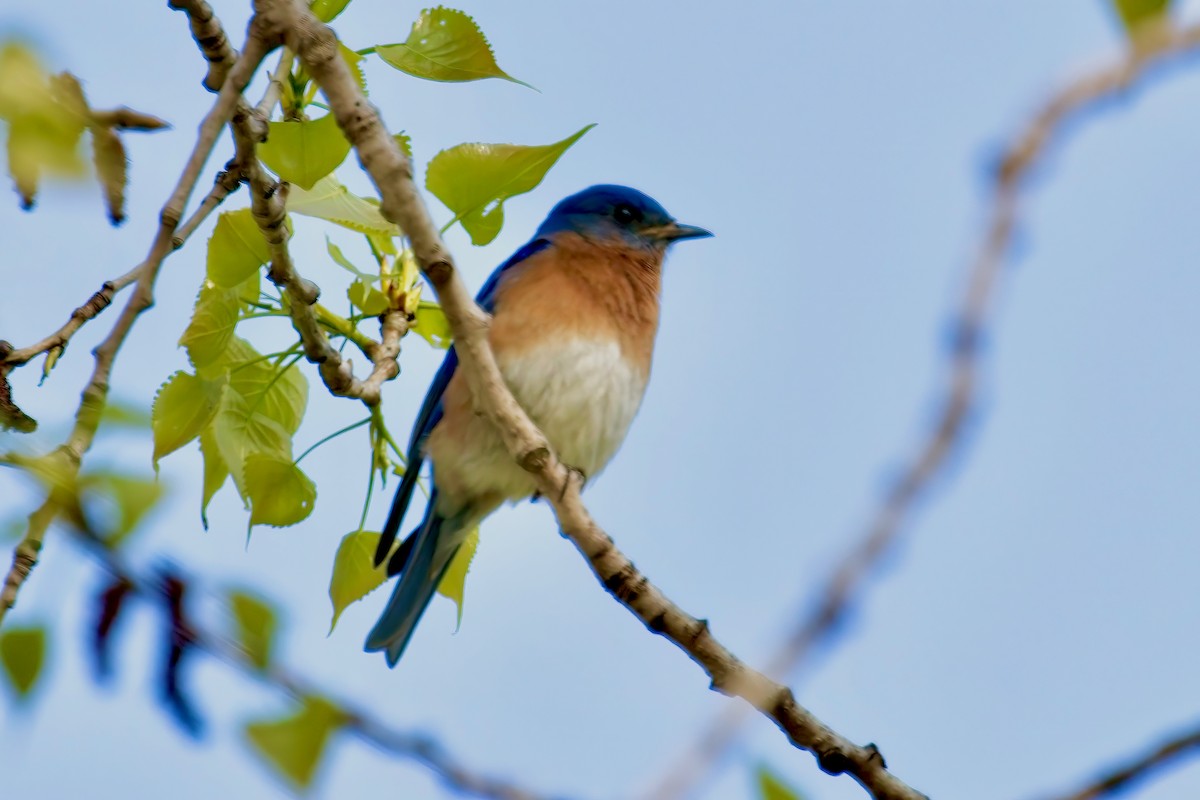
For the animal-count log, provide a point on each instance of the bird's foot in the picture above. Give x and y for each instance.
(583, 479)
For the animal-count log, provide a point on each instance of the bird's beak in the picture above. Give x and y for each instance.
(674, 231)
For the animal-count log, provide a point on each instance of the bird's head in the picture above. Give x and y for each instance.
(607, 212)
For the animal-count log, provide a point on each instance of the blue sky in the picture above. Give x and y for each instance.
(1040, 616)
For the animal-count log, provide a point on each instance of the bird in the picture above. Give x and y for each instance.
(574, 318)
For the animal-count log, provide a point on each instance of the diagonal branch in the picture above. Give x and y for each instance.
(1155, 48)
(391, 172)
(1140, 768)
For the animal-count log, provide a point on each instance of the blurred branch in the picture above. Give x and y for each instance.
(1139, 769)
(1155, 48)
(401, 203)
(95, 393)
(187, 635)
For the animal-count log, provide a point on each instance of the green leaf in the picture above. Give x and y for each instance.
(182, 407)
(354, 62)
(354, 572)
(213, 320)
(44, 123)
(293, 746)
(404, 142)
(124, 414)
(454, 582)
(216, 471)
(304, 151)
(431, 324)
(240, 433)
(22, 654)
(771, 787)
(330, 200)
(236, 249)
(279, 394)
(327, 10)
(474, 180)
(132, 496)
(340, 259)
(280, 493)
(1136, 13)
(256, 624)
(445, 45)
(366, 298)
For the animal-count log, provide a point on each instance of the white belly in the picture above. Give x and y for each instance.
(581, 393)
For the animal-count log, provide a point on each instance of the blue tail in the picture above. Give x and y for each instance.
(436, 542)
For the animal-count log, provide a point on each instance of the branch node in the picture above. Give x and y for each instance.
(536, 459)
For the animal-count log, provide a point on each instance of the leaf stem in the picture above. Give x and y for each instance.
(331, 436)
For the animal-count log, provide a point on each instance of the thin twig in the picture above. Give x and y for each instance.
(401, 203)
(1140, 768)
(95, 393)
(845, 587)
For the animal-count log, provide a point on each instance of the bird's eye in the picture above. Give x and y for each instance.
(624, 214)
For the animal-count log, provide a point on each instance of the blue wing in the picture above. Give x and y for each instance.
(429, 416)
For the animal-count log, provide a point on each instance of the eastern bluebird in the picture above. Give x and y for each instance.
(575, 312)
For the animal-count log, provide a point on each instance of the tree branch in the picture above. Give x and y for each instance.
(95, 392)
(356, 720)
(391, 172)
(1154, 48)
(1141, 768)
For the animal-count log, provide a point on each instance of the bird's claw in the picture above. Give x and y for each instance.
(583, 479)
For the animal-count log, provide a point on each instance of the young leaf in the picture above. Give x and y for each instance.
(1135, 13)
(280, 493)
(304, 151)
(474, 180)
(454, 582)
(182, 407)
(366, 298)
(340, 259)
(123, 414)
(236, 249)
(22, 654)
(256, 625)
(133, 497)
(207, 336)
(445, 45)
(280, 395)
(293, 746)
(112, 166)
(404, 142)
(327, 10)
(240, 433)
(354, 572)
(330, 200)
(771, 787)
(43, 128)
(354, 62)
(216, 471)
(431, 324)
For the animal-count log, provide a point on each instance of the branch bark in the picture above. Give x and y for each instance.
(316, 46)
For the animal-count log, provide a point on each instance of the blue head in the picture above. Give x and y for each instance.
(607, 212)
